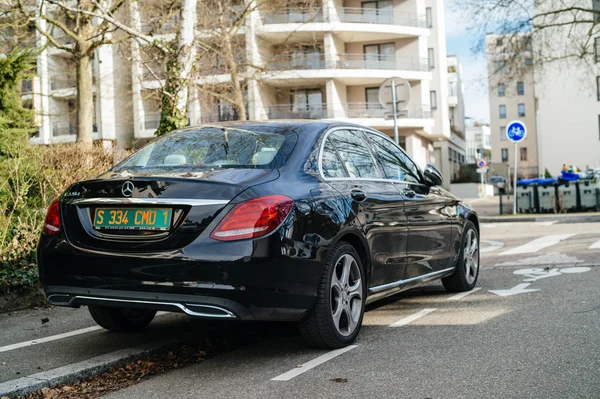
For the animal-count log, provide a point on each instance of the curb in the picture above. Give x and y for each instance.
(77, 371)
(594, 217)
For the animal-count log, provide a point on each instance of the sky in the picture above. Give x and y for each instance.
(473, 66)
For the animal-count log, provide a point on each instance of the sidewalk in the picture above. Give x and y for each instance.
(489, 212)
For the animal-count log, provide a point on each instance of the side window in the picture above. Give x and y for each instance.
(395, 163)
(354, 153)
(331, 163)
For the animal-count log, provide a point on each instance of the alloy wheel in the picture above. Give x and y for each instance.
(346, 295)
(471, 256)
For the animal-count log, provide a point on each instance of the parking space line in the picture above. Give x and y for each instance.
(303, 368)
(493, 246)
(538, 244)
(411, 318)
(595, 245)
(48, 339)
(463, 294)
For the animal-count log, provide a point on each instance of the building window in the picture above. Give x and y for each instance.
(528, 61)
(523, 152)
(598, 87)
(499, 65)
(429, 17)
(501, 90)
(372, 97)
(433, 99)
(430, 57)
(597, 49)
(521, 109)
(599, 123)
(596, 8)
(499, 42)
(503, 133)
(505, 155)
(380, 56)
(502, 111)
(520, 88)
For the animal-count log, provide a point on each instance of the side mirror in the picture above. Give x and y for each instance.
(433, 177)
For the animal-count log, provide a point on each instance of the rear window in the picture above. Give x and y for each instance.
(213, 147)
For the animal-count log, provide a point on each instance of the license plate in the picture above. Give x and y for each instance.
(132, 218)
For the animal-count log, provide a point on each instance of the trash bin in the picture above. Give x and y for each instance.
(588, 190)
(567, 196)
(547, 198)
(525, 199)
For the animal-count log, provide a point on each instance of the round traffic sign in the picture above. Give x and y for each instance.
(482, 163)
(516, 131)
(402, 94)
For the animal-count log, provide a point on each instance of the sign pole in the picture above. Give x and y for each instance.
(395, 111)
(515, 182)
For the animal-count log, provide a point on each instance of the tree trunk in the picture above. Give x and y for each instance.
(85, 99)
(179, 70)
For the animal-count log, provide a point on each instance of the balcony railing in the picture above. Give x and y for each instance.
(291, 111)
(376, 110)
(151, 121)
(63, 129)
(292, 61)
(383, 16)
(63, 82)
(293, 15)
(381, 61)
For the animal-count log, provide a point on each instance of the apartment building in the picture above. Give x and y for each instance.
(322, 62)
(567, 89)
(511, 91)
(478, 138)
(450, 152)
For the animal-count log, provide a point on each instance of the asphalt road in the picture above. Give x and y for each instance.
(531, 330)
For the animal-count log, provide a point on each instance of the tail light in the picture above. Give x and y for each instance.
(52, 222)
(253, 218)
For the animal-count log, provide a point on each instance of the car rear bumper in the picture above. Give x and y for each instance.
(231, 284)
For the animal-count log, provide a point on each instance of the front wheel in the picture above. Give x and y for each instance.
(337, 316)
(465, 275)
(121, 319)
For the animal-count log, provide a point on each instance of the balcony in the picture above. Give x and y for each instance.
(291, 111)
(63, 129)
(292, 62)
(385, 17)
(293, 16)
(381, 61)
(376, 110)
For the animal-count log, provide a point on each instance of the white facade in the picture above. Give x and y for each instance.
(478, 139)
(354, 49)
(568, 94)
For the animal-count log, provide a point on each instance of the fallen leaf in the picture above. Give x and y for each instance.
(299, 365)
(338, 379)
(45, 320)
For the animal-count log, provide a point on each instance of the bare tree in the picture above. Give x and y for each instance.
(549, 30)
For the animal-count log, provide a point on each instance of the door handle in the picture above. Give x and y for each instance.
(409, 193)
(358, 195)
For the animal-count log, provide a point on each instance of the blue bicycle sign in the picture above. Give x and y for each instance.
(516, 131)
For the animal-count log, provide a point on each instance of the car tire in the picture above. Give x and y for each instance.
(121, 319)
(466, 272)
(336, 318)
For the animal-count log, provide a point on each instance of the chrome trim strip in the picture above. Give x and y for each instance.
(227, 314)
(398, 283)
(150, 201)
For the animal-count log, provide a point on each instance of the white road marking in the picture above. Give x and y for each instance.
(595, 245)
(303, 368)
(538, 244)
(489, 225)
(518, 289)
(411, 318)
(581, 269)
(48, 339)
(549, 223)
(554, 259)
(493, 246)
(463, 294)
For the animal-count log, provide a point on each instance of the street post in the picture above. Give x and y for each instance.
(516, 131)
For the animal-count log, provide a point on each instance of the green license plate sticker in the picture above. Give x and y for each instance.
(132, 218)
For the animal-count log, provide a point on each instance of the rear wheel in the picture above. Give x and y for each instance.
(121, 319)
(337, 316)
(465, 275)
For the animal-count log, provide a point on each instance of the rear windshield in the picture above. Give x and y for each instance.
(212, 147)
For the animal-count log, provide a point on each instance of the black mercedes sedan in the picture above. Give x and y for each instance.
(302, 221)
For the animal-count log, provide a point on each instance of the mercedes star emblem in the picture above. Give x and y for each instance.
(127, 188)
